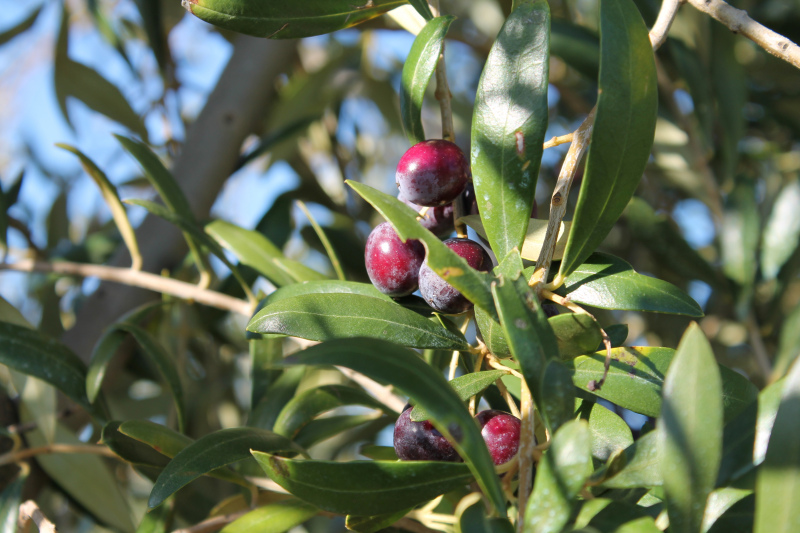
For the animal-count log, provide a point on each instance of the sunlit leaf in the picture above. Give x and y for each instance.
(509, 123)
(466, 387)
(624, 127)
(272, 518)
(782, 231)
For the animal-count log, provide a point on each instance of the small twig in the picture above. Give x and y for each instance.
(508, 479)
(21, 455)
(134, 278)
(527, 445)
(422, 213)
(478, 365)
(30, 512)
(659, 31)
(383, 393)
(738, 21)
(557, 141)
(560, 300)
(495, 363)
(512, 405)
(558, 201)
(326, 243)
(457, 353)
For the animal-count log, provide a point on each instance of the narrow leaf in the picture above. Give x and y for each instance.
(161, 438)
(23, 26)
(111, 196)
(322, 317)
(288, 21)
(446, 263)
(422, 8)
(10, 499)
(272, 518)
(782, 232)
(559, 478)
(325, 287)
(789, 343)
(384, 361)
(417, 72)
(610, 433)
(534, 238)
(337, 266)
(466, 387)
(304, 407)
(624, 127)
(739, 234)
(638, 466)
(636, 378)
(608, 282)
(213, 451)
(577, 46)
(324, 428)
(364, 487)
(690, 431)
(576, 334)
(778, 479)
(255, 250)
(509, 123)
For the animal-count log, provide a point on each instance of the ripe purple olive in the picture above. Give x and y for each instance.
(420, 441)
(437, 220)
(500, 431)
(393, 265)
(442, 296)
(432, 173)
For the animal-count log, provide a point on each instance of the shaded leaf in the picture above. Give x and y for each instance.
(418, 70)
(131, 450)
(379, 453)
(690, 430)
(638, 466)
(306, 406)
(23, 26)
(577, 46)
(789, 343)
(10, 499)
(608, 282)
(213, 451)
(739, 234)
(509, 123)
(274, 517)
(782, 231)
(266, 411)
(610, 433)
(322, 317)
(778, 478)
(323, 238)
(624, 127)
(364, 487)
(444, 262)
(387, 362)
(324, 428)
(288, 21)
(372, 524)
(111, 196)
(534, 238)
(560, 476)
(636, 377)
(466, 387)
(576, 334)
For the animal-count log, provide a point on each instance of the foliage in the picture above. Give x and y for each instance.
(257, 387)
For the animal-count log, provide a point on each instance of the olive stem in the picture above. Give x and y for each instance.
(557, 141)
(21, 455)
(527, 445)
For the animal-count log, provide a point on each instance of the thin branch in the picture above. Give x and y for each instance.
(383, 393)
(15, 457)
(133, 278)
(527, 445)
(30, 512)
(738, 21)
(557, 141)
(659, 31)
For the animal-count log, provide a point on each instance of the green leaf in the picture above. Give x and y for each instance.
(624, 127)
(253, 249)
(161, 438)
(690, 431)
(387, 362)
(788, 344)
(170, 192)
(324, 428)
(333, 286)
(636, 377)
(729, 83)
(197, 237)
(444, 261)
(782, 231)
(131, 450)
(466, 387)
(373, 524)
(608, 282)
(163, 361)
(558, 396)
(509, 123)
(73, 79)
(610, 434)
(719, 502)
(326, 244)
(422, 8)
(111, 196)
(617, 334)
(266, 411)
(576, 334)
(322, 317)
(577, 46)
(84, 477)
(617, 516)
(417, 72)
(364, 487)
(777, 481)
(23, 26)
(275, 517)
(31, 352)
(560, 476)
(264, 352)
(639, 465)
(379, 453)
(474, 519)
(213, 451)
(534, 238)
(156, 521)
(306, 406)
(10, 499)
(288, 21)
(738, 518)
(665, 242)
(739, 233)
